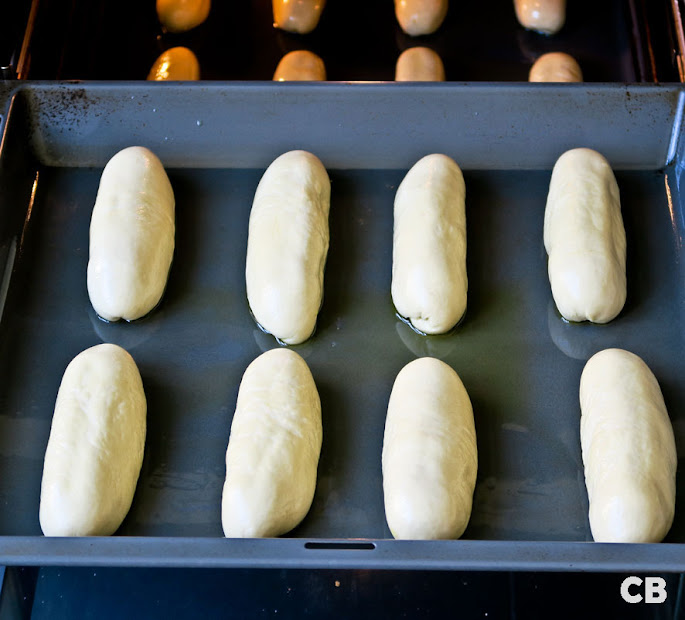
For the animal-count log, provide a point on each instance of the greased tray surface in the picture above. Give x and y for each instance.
(519, 361)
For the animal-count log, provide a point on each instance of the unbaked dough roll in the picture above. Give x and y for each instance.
(430, 457)
(177, 63)
(131, 236)
(417, 17)
(182, 15)
(96, 445)
(300, 16)
(555, 67)
(545, 16)
(429, 281)
(585, 238)
(287, 246)
(419, 64)
(300, 66)
(628, 448)
(273, 450)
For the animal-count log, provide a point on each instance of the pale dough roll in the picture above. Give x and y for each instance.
(429, 280)
(96, 445)
(555, 67)
(418, 17)
(300, 16)
(628, 449)
(301, 66)
(182, 15)
(430, 457)
(287, 245)
(545, 16)
(273, 450)
(585, 238)
(177, 63)
(419, 64)
(131, 236)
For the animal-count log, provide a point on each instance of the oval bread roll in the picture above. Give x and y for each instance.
(300, 16)
(545, 16)
(417, 17)
(300, 66)
(182, 15)
(177, 63)
(96, 445)
(585, 238)
(419, 64)
(429, 281)
(430, 457)
(287, 246)
(273, 451)
(555, 67)
(628, 449)
(131, 236)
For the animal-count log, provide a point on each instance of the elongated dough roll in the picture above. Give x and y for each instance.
(585, 238)
(273, 451)
(628, 449)
(429, 280)
(131, 236)
(300, 66)
(300, 16)
(545, 16)
(96, 445)
(418, 17)
(555, 67)
(287, 246)
(177, 63)
(182, 15)
(419, 64)
(430, 457)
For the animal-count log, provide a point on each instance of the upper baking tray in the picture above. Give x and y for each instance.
(519, 361)
(613, 40)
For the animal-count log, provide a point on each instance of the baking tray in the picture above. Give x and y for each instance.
(613, 40)
(519, 361)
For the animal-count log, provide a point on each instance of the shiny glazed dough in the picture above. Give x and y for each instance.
(555, 67)
(585, 238)
(177, 63)
(545, 16)
(273, 450)
(300, 16)
(182, 15)
(417, 17)
(287, 246)
(96, 445)
(419, 64)
(628, 449)
(131, 236)
(430, 457)
(301, 66)
(429, 280)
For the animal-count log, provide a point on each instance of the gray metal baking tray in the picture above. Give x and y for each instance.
(519, 361)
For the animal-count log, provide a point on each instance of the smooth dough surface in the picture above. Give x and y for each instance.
(555, 67)
(419, 64)
(585, 238)
(300, 16)
(287, 246)
(273, 450)
(177, 63)
(545, 16)
(300, 66)
(182, 15)
(429, 280)
(96, 445)
(131, 236)
(418, 17)
(628, 448)
(430, 457)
